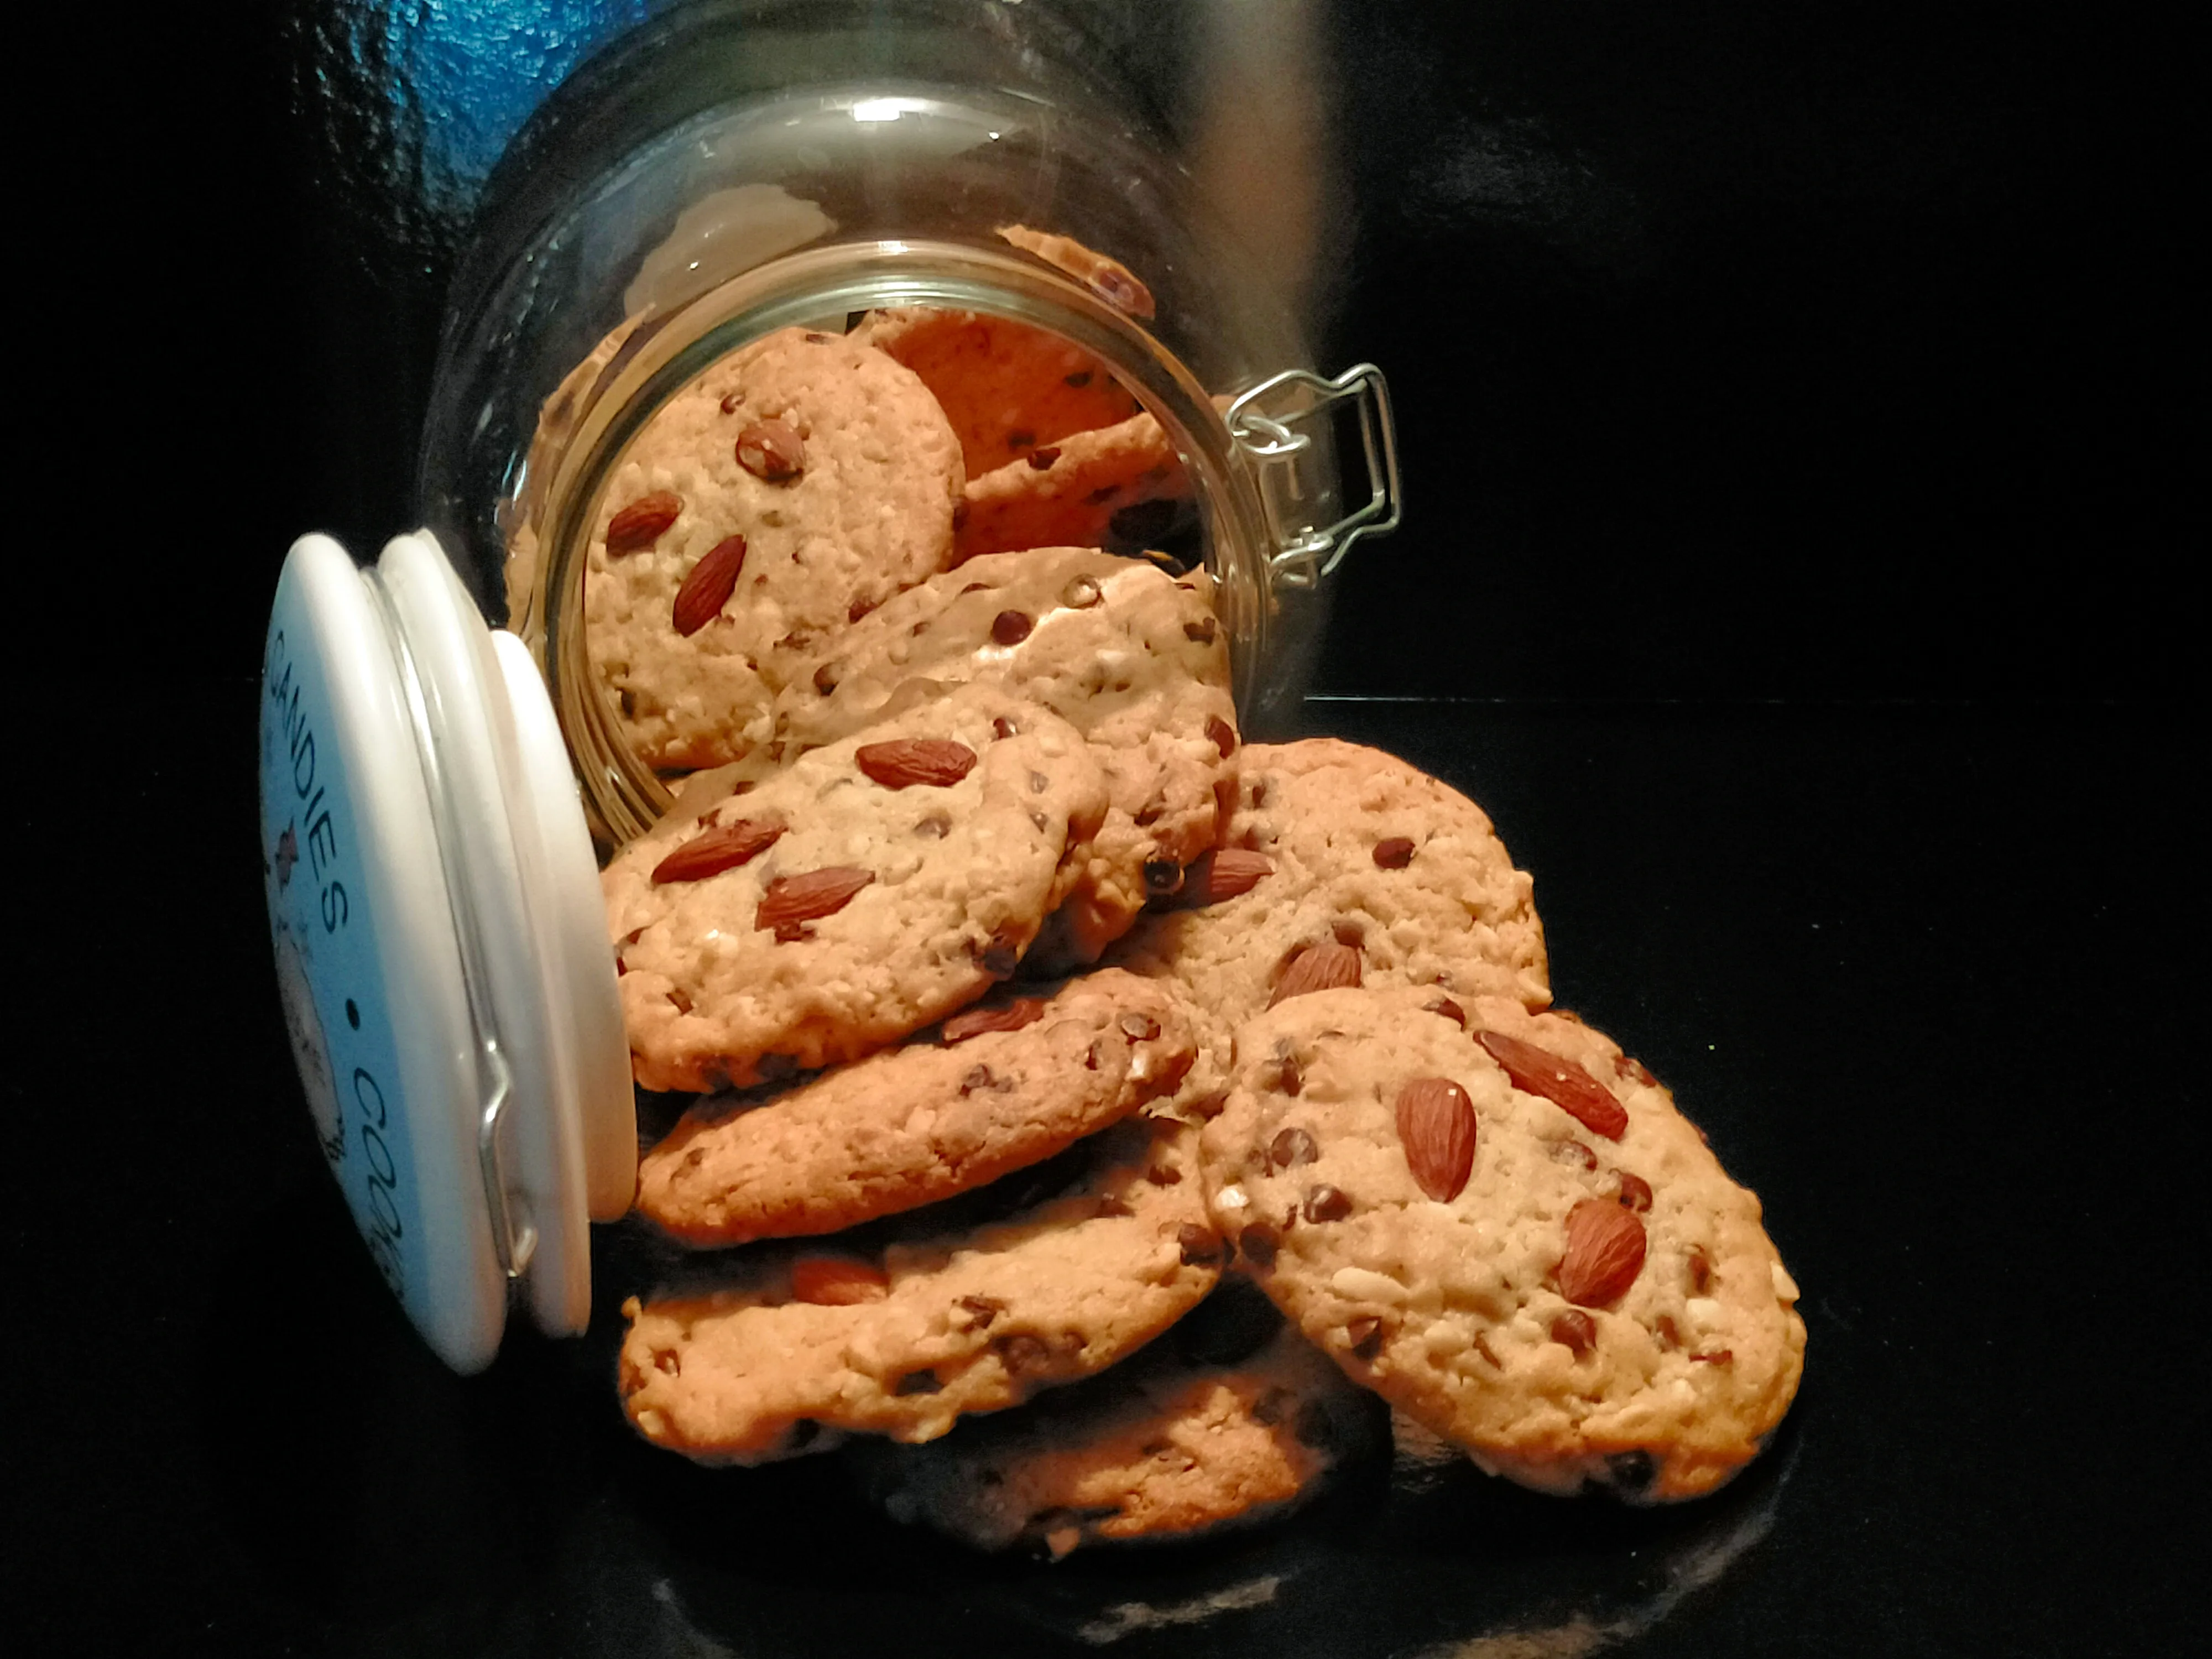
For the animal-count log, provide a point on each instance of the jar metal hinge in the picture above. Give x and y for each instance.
(1275, 425)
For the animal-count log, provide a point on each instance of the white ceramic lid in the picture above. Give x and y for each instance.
(444, 967)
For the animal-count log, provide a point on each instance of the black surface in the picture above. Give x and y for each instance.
(1802, 503)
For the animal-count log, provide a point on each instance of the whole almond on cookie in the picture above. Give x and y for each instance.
(1436, 1123)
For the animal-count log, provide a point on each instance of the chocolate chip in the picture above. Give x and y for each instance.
(1365, 1336)
(682, 1003)
(1039, 783)
(917, 1382)
(732, 402)
(1269, 1407)
(1223, 735)
(1110, 1205)
(1201, 1246)
(1043, 459)
(1574, 1152)
(1011, 627)
(1701, 1269)
(859, 608)
(1000, 961)
(1291, 1148)
(1635, 1191)
(1162, 877)
(1576, 1330)
(1201, 631)
(1394, 854)
(1632, 1471)
(959, 514)
(1021, 1353)
(1327, 1203)
(825, 678)
(1003, 727)
(817, 339)
(1163, 1174)
(1449, 1010)
(979, 1077)
(1260, 1241)
(933, 828)
(1079, 379)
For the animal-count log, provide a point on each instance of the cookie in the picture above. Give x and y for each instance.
(1006, 1082)
(1181, 1441)
(1396, 876)
(1008, 388)
(805, 1348)
(1499, 1222)
(801, 479)
(867, 890)
(1130, 656)
(1111, 280)
(1122, 488)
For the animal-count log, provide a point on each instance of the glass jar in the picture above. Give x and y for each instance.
(731, 168)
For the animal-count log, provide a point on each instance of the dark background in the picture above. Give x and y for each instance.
(1794, 402)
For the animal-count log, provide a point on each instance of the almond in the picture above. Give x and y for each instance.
(1538, 1072)
(707, 588)
(639, 525)
(722, 848)
(791, 900)
(1317, 968)
(1004, 1017)
(1226, 874)
(935, 762)
(1436, 1125)
(837, 1281)
(772, 450)
(1605, 1252)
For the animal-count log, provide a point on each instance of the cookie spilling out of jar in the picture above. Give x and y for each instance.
(1097, 1127)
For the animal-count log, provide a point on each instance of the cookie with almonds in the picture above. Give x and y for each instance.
(1008, 388)
(799, 1349)
(1122, 488)
(867, 890)
(1344, 865)
(1130, 656)
(1002, 1083)
(802, 479)
(1227, 1420)
(1499, 1222)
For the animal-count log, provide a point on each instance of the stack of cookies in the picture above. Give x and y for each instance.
(1031, 1018)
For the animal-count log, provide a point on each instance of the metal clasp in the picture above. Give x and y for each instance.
(1266, 421)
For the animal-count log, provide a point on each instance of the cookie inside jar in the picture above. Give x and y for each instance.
(737, 542)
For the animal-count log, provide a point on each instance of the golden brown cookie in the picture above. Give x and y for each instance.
(1008, 389)
(1005, 1083)
(1120, 488)
(801, 1348)
(1130, 656)
(1227, 1420)
(867, 890)
(802, 478)
(1499, 1222)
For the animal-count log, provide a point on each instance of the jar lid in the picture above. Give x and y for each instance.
(441, 943)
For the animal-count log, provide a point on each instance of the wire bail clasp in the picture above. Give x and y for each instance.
(1272, 425)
